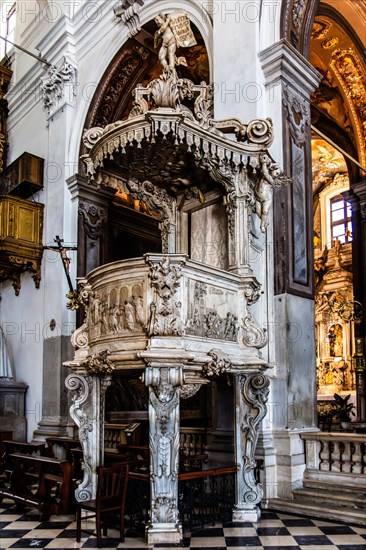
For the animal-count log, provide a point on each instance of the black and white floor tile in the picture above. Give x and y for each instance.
(274, 531)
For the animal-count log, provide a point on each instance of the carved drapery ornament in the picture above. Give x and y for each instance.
(54, 83)
(158, 200)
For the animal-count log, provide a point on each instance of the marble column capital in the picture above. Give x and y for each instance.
(282, 63)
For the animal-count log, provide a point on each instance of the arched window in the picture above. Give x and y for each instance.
(340, 219)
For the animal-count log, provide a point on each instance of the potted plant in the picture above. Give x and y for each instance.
(343, 410)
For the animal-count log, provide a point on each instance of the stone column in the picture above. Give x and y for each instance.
(164, 383)
(251, 393)
(87, 411)
(58, 90)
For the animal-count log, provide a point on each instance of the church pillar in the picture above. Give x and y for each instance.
(58, 93)
(251, 393)
(164, 382)
(289, 81)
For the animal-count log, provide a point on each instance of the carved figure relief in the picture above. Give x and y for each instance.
(174, 32)
(210, 311)
(117, 310)
(268, 175)
(165, 310)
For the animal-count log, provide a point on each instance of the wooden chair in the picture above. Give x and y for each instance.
(111, 496)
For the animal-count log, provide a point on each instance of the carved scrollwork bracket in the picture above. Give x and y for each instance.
(253, 335)
(87, 411)
(253, 393)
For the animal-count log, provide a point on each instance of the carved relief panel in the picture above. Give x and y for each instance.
(118, 309)
(212, 311)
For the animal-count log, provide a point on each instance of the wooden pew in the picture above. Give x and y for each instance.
(36, 448)
(41, 482)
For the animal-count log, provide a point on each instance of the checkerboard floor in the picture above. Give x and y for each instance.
(274, 531)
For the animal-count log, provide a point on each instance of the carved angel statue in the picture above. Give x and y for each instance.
(271, 176)
(174, 32)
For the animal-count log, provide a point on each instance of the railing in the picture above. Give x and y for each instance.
(337, 456)
(205, 497)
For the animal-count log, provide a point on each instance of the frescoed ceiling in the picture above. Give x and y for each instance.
(341, 97)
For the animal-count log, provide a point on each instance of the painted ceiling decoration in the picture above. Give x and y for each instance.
(341, 96)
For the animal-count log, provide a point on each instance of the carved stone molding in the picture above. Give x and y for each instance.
(252, 391)
(129, 13)
(165, 310)
(54, 84)
(94, 217)
(219, 364)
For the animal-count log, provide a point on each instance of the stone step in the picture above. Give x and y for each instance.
(316, 509)
(314, 484)
(340, 498)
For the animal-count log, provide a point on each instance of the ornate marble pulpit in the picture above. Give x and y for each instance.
(172, 315)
